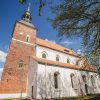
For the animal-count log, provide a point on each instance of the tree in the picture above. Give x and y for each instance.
(80, 18)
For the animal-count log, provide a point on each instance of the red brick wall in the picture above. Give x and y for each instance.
(15, 78)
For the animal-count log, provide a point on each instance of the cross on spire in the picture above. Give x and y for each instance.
(27, 15)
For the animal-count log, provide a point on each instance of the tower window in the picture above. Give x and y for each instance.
(27, 38)
(21, 63)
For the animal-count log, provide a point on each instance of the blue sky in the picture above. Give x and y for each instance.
(11, 10)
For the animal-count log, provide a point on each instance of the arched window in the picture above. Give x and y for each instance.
(57, 58)
(21, 62)
(92, 80)
(68, 60)
(77, 62)
(56, 80)
(84, 78)
(44, 55)
(72, 80)
(27, 38)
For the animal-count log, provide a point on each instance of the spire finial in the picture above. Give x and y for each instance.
(27, 14)
(29, 5)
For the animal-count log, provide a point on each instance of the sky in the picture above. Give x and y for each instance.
(11, 11)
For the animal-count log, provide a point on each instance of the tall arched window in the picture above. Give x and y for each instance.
(57, 58)
(56, 80)
(72, 80)
(84, 78)
(27, 38)
(44, 55)
(92, 80)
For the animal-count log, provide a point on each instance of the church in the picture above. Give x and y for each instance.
(37, 69)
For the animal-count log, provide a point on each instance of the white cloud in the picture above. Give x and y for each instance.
(79, 51)
(1, 69)
(53, 41)
(67, 42)
(2, 56)
(46, 39)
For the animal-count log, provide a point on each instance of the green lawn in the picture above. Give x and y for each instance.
(87, 97)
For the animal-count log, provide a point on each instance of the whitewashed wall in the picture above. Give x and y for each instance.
(45, 82)
(51, 55)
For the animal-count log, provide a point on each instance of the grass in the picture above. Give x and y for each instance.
(87, 97)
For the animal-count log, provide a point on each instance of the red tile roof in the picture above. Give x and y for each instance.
(56, 47)
(60, 64)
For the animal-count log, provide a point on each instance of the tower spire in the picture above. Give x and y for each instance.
(29, 5)
(27, 15)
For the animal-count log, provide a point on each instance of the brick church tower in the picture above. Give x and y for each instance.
(22, 45)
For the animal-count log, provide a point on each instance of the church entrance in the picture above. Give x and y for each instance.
(32, 92)
(86, 89)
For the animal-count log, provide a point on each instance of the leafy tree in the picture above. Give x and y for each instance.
(80, 18)
(22, 1)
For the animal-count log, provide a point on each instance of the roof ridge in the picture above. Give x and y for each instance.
(58, 47)
(55, 44)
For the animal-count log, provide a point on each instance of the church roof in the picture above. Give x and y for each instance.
(56, 47)
(27, 23)
(60, 64)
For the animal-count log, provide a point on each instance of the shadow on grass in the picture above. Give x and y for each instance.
(87, 97)
(95, 98)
